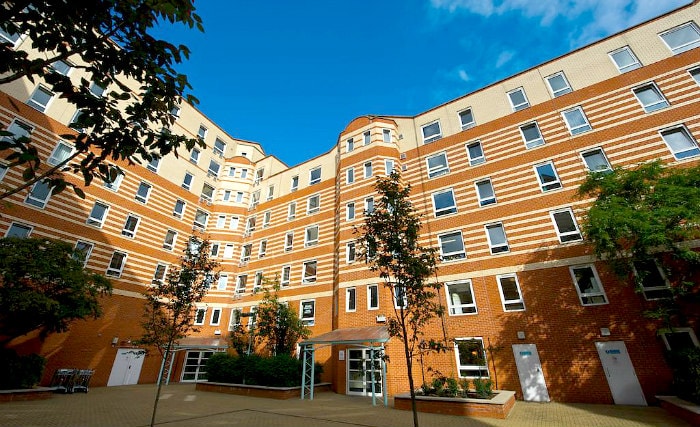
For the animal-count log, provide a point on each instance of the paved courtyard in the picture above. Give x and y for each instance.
(181, 405)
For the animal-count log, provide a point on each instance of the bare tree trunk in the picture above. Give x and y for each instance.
(409, 366)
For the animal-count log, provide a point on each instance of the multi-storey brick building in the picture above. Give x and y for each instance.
(495, 174)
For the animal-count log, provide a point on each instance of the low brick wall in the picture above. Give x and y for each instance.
(680, 408)
(497, 407)
(39, 393)
(281, 393)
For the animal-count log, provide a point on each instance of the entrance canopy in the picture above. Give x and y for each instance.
(201, 343)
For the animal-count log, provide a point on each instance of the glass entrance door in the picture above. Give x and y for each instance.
(195, 366)
(360, 370)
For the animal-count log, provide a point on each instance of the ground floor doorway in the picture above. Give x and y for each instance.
(364, 367)
(195, 367)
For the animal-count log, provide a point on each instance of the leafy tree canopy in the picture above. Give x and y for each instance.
(112, 42)
(43, 286)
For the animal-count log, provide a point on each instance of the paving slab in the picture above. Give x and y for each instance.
(181, 405)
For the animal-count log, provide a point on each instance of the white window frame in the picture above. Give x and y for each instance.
(545, 187)
(214, 249)
(686, 46)
(454, 255)
(518, 301)
(562, 91)
(367, 168)
(199, 224)
(388, 166)
(473, 161)
(589, 297)
(200, 316)
(654, 106)
(532, 143)
(286, 276)
(398, 293)
(270, 192)
(267, 218)
(54, 159)
(226, 196)
(691, 152)
(21, 226)
(366, 138)
(86, 250)
(228, 251)
(202, 132)
(160, 273)
(235, 319)
(154, 164)
(442, 169)
(3, 171)
(369, 205)
(194, 155)
(350, 252)
(181, 213)
(351, 297)
(386, 136)
(219, 147)
(36, 104)
(695, 74)
(432, 137)
(291, 211)
(258, 281)
(213, 169)
(215, 318)
(568, 236)
(307, 320)
(116, 272)
(350, 211)
(350, 175)
(294, 183)
(313, 209)
(460, 308)
(447, 209)
(485, 201)
(114, 185)
(602, 153)
(185, 184)
(235, 221)
(500, 248)
(241, 283)
(129, 232)
(220, 221)
(94, 221)
(629, 67)
(481, 371)
(586, 127)
(313, 180)
(310, 241)
(170, 246)
(19, 129)
(33, 200)
(369, 296)
(349, 145)
(289, 241)
(310, 278)
(262, 249)
(663, 289)
(521, 106)
(462, 114)
(676, 330)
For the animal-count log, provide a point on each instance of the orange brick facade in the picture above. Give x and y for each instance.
(555, 318)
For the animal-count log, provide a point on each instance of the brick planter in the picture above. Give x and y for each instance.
(680, 408)
(39, 393)
(282, 393)
(498, 406)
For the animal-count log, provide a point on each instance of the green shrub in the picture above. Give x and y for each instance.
(277, 371)
(20, 371)
(452, 387)
(686, 373)
(483, 387)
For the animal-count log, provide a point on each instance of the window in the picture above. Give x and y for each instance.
(39, 195)
(484, 192)
(291, 211)
(170, 239)
(588, 285)
(179, 209)
(460, 297)
(252, 317)
(214, 168)
(350, 176)
(496, 236)
(350, 145)
(400, 298)
(228, 251)
(117, 177)
(307, 308)
(6, 37)
(234, 222)
(595, 160)
(509, 289)
(220, 221)
(531, 135)
(254, 200)
(369, 205)
(76, 122)
(175, 111)
(266, 219)
(466, 119)
(311, 236)
(286, 273)
(437, 165)
(558, 84)
(388, 166)
(313, 204)
(143, 192)
(18, 230)
(40, 99)
(288, 241)
(194, 155)
(678, 339)
(695, 74)
(315, 176)
(82, 251)
(250, 225)
(547, 176)
(294, 186)
(3, 171)
(368, 169)
(270, 192)
(444, 203)
(258, 176)
(202, 132)
(651, 280)
(130, 225)
(200, 219)
(471, 358)
(219, 147)
(159, 274)
(350, 252)
(60, 154)
(235, 320)
(226, 197)
(576, 121)
(386, 135)
(153, 164)
(372, 297)
(200, 316)
(431, 132)
(241, 280)
(518, 100)
(116, 264)
(214, 249)
(679, 141)
(309, 272)
(565, 225)
(350, 299)
(350, 211)
(650, 97)
(215, 316)
(244, 173)
(98, 214)
(451, 246)
(97, 89)
(624, 59)
(187, 181)
(475, 153)
(366, 138)
(682, 38)
(257, 283)
(262, 250)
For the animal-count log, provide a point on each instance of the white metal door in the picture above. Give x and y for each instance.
(530, 372)
(622, 379)
(360, 371)
(127, 367)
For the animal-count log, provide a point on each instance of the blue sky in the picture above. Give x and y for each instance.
(292, 74)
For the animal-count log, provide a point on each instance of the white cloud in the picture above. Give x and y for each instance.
(463, 76)
(504, 57)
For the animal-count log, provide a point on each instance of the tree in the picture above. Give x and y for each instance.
(171, 303)
(643, 217)
(389, 242)
(112, 42)
(44, 286)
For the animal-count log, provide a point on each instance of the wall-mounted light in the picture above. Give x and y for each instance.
(521, 335)
(115, 341)
(604, 332)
